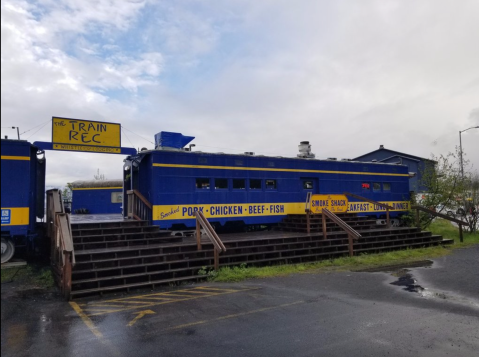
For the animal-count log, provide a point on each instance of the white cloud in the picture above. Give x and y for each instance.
(248, 75)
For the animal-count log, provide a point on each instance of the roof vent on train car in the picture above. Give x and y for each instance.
(305, 150)
(249, 153)
(172, 141)
(346, 160)
(374, 160)
(332, 158)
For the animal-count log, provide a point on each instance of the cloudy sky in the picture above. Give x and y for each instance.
(244, 75)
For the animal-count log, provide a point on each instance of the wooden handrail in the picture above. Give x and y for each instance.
(141, 197)
(387, 207)
(218, 245)
(437, 214)
(139, 207)
(352, 234)
(62, 250)
(307, 209)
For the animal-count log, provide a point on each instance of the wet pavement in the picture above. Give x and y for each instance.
(427, 310)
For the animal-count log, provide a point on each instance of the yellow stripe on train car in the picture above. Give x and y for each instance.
(15, 216)
(22, 158)
(231, 210)
(277, 170)
(97, 188)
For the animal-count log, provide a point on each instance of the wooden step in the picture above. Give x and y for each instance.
(123, 255)
(85, 292)
(76, 233)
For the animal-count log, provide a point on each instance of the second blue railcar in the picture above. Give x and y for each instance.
(253, 189)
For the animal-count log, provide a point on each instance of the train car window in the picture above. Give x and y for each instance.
(308, 185)
(271, 163)
(239, 184)
(365, 186)
(376, 186)
(116, 197)
(221, 184)
(239, 162)
(271, 184)
(386, 186)
(203, 183)
(255, 184)
(202, 160)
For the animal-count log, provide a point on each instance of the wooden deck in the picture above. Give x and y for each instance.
(116, 255)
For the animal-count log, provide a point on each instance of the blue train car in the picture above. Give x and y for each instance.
(23, 194)
(252, 189)
(97, 197)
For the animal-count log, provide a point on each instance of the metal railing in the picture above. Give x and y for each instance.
(62, 255)
(218, 245)
(139, 207)
(352, 234)
(387, 207)
(459, 222)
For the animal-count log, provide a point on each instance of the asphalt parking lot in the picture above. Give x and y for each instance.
(432, 310)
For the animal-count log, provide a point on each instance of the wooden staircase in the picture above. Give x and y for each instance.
(132, 254)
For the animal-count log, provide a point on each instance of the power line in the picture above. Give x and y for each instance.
(138, 135)
(35, 127)
(38, 129)
(128, 138)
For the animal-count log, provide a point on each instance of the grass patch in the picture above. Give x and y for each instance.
(448, 231)
(363, 261)
(32, 275)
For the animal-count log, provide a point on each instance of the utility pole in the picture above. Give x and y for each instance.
(18, 131)
(462, 163)
(460, 148)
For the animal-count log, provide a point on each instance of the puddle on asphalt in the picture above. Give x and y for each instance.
(406, 280)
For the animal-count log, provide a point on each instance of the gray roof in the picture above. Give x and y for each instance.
(97, 183)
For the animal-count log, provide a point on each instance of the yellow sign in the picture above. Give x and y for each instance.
(222, 210)
(15, 216)
(231, 210)
(79, 134)
(359, 207)
(334, 203)
(106, 150)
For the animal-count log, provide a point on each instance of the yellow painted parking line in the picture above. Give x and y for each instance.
(231, 316)
(215, 289)
(89, 323)
(86, 319)
(156, 298)
(139, 316)
(147, 301)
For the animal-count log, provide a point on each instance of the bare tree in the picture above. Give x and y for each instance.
(99, 176)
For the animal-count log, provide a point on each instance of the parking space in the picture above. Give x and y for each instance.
(311, 314)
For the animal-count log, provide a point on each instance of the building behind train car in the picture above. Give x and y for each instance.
(417, 166)
(253, 189)
(97, 196)
(23, 194)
